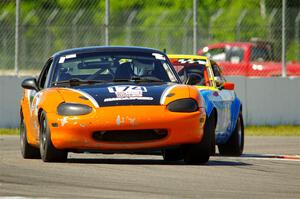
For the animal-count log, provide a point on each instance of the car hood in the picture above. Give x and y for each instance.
(116, 94)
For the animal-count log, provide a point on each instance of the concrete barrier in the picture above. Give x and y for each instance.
(266, 101)
(269, 101)
(10, 95)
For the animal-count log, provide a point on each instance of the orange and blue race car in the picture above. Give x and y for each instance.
(112, 99)
(221, 102)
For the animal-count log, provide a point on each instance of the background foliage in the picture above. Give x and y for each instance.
(48, 26)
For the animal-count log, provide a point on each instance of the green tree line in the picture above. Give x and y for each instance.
(157, 23)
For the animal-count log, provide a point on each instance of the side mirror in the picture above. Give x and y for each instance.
(228, 86)
(219, 81)
(30, 83)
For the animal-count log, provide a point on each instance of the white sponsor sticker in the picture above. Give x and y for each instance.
(127, 98)
(159, 56)
(61, 60)
(70, 56)
(192, 61)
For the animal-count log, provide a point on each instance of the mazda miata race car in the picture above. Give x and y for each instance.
(221, 102)
(112, 99)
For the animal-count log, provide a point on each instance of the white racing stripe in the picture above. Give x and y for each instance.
(88, 96)
(165, 93)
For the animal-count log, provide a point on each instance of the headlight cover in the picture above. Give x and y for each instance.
(186, 105)
(72, 109)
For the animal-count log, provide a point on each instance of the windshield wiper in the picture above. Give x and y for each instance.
(140, 79)
(147, 79)
(122, 80)
(77, 82)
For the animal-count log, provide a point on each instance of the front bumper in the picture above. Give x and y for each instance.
(76, 132)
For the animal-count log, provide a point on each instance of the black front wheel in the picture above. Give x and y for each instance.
(235, 145)
(200, 153)
(48, 152)
(27, 151)
(172, 154)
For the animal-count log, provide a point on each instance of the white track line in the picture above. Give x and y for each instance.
(268, 157)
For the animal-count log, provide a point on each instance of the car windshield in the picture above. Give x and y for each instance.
(113, 67)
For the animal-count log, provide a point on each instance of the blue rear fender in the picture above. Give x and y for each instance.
(235, 109)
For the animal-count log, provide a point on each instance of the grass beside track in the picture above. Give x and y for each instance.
(9, 131)
(283, 130)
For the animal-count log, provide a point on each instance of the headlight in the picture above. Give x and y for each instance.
(183, 105)
(69, 109)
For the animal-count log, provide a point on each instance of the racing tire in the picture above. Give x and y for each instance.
(235, 145)
(213, 134)
(27, 151)
(172, 154)
(200, 153)
(48, 152)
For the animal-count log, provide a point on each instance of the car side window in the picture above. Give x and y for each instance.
(219, 78)
(234, 54)
(42, 80)
(260, 54)
(216, 70)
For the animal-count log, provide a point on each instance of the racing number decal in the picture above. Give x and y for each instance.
(223, 100)
(33, 101)
(127, 92)
(31, 96)
(227, 99)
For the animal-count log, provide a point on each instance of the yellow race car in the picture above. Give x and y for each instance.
(222, 105)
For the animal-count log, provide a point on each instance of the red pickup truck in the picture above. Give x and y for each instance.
(248, 59)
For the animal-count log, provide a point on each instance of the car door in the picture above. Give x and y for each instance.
(224, 101)
(34, 97)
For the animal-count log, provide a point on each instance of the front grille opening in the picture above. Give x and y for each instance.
(130, 135)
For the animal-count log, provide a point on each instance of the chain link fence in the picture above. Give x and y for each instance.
(49, 26)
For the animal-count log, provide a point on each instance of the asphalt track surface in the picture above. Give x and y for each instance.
(255, 175)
